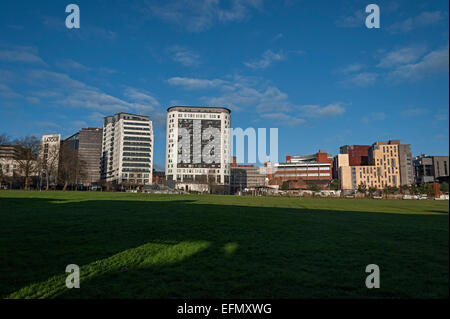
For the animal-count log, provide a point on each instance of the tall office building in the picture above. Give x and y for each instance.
(198, 145)
(87, 143)
(405, 161)
(127, 149)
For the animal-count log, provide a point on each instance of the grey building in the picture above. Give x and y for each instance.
(246, 176)
(88, 145)
(431, 168)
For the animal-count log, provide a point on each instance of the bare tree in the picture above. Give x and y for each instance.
(71, 168)
(5, 139)
(49, 164)
(28, 149)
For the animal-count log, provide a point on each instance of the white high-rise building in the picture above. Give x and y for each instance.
(127, 149)
(198, 145)
(49, 156)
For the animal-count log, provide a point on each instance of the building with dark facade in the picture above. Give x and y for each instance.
(88, 145)
(246, 177)
(358, 155)
(430, 169)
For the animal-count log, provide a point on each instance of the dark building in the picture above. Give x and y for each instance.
(358, 155)
(246, 176)
(88, 144)
(430, 169)
(158, 177)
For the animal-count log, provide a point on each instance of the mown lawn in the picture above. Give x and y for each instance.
(189, 246)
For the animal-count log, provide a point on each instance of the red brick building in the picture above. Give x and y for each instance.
(358, 155)
(302, 171)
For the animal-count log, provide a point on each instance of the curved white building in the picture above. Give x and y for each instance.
(198, 145)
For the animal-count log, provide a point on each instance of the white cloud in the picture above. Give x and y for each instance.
(7, 92)
(413, 111)
(374, 116)
(401, 56)
(433, 62)
(356, 19)
(255, 95)
(197, 16)
(284, 119)
(69, 64)
(425, 18)
(363, 79)
(184, 56)
(61, 90)
(21, 55)
(193, 83)
(351, 68)
(329, 110)
(266, 60)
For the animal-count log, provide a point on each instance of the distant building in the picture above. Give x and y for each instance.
(405, 161)
(9, 151)
(127, 150)
(302, 171)
(198, 146)
(430, 169)
(246, 176)
(158, 177)
(383, 168)
(87, 143)
(9, 154)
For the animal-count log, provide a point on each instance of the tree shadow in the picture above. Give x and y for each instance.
(131, 249)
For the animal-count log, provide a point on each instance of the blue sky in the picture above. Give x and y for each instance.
(310, 68)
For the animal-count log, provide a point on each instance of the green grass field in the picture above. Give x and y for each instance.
(206, 246)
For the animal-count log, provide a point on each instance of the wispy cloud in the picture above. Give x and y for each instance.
(374, 116)
(266, 60)
(351, 68)
(434, 62)
(194, 83)
(401, 56)
(354, 20)
(8, 93)
(21, 54)
(69, 64)
(197, 16)
(425, 18)
(253, 94)
(184, 56)
(413, 111)
(362, 79)
(284, 119)
(329, 110)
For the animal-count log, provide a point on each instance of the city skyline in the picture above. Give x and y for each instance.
(319, 75)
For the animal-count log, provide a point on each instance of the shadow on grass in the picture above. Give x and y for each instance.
(184, 249)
